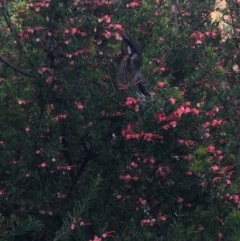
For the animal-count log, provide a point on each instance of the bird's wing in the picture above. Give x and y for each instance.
(141, 83)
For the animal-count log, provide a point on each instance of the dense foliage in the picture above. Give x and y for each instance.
(78, 164)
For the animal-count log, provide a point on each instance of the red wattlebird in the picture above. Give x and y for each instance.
(130, 79)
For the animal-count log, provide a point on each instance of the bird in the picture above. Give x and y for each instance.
(130, 79)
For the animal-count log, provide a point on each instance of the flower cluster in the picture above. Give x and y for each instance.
(129, 134)
(161, 66)
(132, 102)
(128, 177)
(198, 37)
(148, 222)
(104, 235)
(176, 115)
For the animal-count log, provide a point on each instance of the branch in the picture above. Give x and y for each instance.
(7, 18)
(175, 14)
(16, 68)
(89, 156)
(202, 21)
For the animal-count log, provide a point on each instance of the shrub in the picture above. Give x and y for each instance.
(77, 164)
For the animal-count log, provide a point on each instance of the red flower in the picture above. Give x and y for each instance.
(161, 85)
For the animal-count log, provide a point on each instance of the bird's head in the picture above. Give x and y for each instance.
(134, 51)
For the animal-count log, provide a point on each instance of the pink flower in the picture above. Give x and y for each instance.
(215, 168)
(128, 177)
(74, 30)
(43, 69)
(161, 39)
(229, 182)
(135, 178)
(96, 238)
(214, 122)
(163, 69)
(105, 18)
(133, 164)
(172, 100)
(79, 105)
(161, 85)
(116, 26)
(198, 36)
(189, 173)
(173, 123)
(128, 136)
(152, 160)
(142, 201)
(108, 234)
(211, 148)
(72, 226)
(195, 111)
(119, 196)
(49, 79)
(22, 102)
(166, 127)
(200, 228)
(27, 128)
(187, 110)
(43, 164)
(149, 222)
(3, 191)
(163, 217)
(133, 4)
(179, 199)
(161, 117)
(107, 34)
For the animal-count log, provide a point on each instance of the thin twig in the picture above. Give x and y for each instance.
(16, 68)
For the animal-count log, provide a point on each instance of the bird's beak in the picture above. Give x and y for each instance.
(124, 36)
